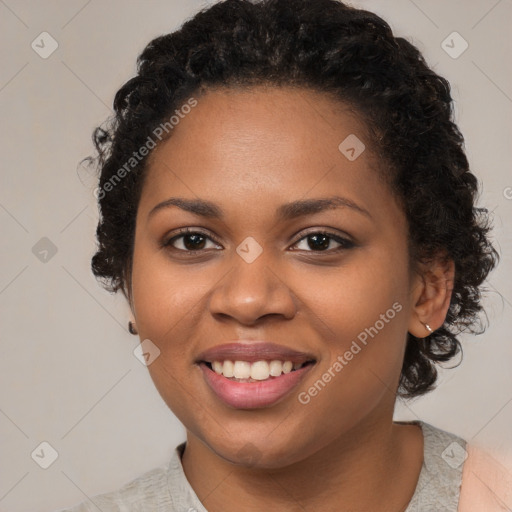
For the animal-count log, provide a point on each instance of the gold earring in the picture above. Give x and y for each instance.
(131, 328)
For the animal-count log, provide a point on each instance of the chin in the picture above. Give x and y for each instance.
(260, 453)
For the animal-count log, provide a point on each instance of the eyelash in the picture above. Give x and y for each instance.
(344, 242)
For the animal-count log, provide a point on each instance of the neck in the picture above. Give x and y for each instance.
(385, 458)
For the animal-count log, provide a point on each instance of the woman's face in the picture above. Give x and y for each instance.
(263, 270)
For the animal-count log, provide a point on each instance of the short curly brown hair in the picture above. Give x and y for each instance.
(342, 51)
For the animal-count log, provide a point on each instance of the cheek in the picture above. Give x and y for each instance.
(167, 302)
(165, 296)
(167, 306)
(362, 311)
(359, 296)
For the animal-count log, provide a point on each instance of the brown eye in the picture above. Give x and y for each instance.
(193, 241)
(321, 241)
(189, 241)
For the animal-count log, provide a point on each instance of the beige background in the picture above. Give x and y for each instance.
(68, 374)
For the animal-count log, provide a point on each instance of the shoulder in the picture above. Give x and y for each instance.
(148, 492)
(440, 477)
(486, 483)
(462, 474)
(163, 489)
(437, 439)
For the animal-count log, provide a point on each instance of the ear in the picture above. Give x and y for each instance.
(431, 294)
(132, 324)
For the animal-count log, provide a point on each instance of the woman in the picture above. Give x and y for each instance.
(287, 207)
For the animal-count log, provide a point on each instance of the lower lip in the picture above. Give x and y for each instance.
(253, 395)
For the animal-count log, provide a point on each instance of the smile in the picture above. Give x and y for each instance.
(245, 374)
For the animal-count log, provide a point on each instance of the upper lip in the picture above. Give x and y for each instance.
(253, 351)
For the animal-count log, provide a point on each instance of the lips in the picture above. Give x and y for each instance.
(239, 390)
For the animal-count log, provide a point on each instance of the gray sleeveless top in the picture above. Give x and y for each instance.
(166, 489)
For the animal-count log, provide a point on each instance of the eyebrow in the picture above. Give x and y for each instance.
(287, 211)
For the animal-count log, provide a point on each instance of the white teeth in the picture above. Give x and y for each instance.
(287, 367)
(276, 368)
(242, 370)
(259, 370)
(228, 369)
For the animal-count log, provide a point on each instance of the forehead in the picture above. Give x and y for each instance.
(263, 144)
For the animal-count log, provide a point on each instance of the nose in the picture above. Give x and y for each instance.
(250, 291)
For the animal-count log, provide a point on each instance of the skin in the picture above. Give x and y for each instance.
(250, 151)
